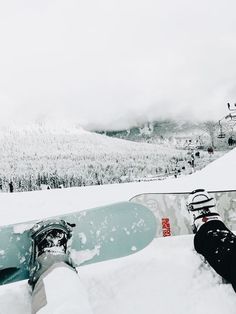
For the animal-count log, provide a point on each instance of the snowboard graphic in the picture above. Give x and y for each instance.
(172, 215)
(100, 234)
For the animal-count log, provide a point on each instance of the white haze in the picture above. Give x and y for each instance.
(110, 63)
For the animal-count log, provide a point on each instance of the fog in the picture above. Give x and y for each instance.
(106, 63)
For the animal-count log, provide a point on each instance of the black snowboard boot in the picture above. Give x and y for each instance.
(49, 245)
(202, 208)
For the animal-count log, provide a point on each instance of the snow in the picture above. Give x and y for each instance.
(21, 207)
(168, 276)
(85, 255)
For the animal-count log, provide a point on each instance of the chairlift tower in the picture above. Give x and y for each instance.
(230, 118)
(221, 133)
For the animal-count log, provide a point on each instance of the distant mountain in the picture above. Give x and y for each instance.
(155, 130)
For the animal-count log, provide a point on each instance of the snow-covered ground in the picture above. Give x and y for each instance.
(166, 277)
(19, 207)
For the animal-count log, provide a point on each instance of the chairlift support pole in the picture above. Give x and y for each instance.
(221, 134)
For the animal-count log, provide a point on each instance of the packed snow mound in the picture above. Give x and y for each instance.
(222, 168)
(218, 175)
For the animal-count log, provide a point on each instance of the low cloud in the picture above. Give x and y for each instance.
(110, 64)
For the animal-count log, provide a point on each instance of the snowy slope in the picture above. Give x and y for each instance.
(77, 141)
(166, 277)
(19, 207)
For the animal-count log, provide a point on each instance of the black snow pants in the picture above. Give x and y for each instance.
(218, 245)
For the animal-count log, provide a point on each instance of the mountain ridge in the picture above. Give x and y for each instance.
(153, 130)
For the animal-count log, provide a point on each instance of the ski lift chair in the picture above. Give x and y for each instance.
(221, 135)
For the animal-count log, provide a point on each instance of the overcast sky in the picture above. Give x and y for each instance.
(108, 63)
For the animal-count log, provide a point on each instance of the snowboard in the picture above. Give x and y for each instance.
(172, 215)
(100, 234)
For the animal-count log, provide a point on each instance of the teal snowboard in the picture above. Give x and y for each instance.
(100, 234)
(172, 216)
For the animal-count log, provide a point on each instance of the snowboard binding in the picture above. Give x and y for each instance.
(50, 235)
(49, 238)
(202, 208)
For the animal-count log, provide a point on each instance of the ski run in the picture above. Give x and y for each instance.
(165, 277)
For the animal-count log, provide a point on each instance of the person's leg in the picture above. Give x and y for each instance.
(212, 238)
(218, 245)
(59, 290)
(56, 286)
(233, 271)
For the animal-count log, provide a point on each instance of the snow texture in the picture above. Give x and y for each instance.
(85, 255)
(168, 276)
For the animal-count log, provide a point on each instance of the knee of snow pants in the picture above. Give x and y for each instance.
(59, 290)
(218, 245)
